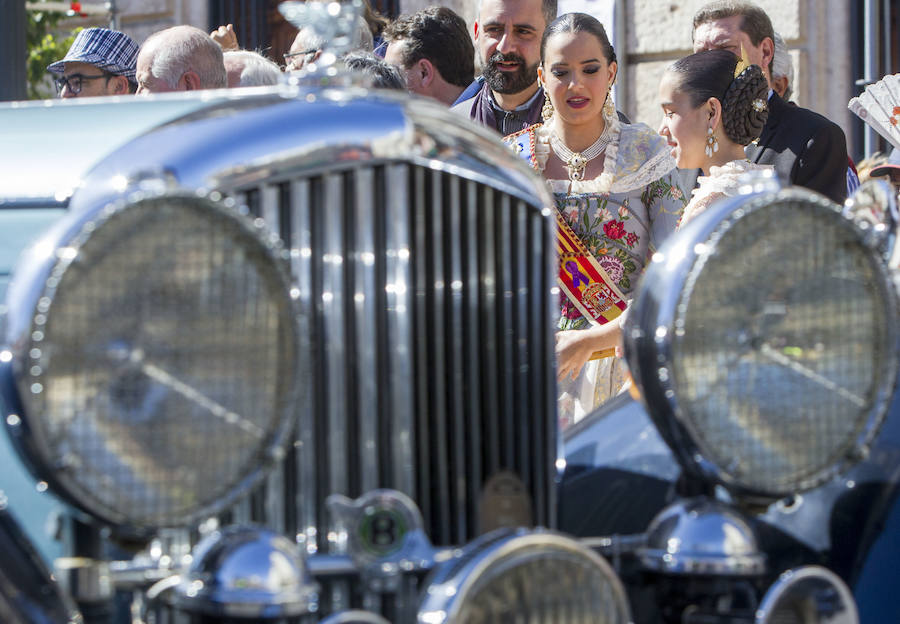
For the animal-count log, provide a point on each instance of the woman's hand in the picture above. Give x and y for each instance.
(574, 348)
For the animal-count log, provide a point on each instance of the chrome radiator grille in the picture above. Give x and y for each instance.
(427, 323)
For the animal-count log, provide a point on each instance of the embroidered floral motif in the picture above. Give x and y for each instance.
(614, 229)
(613, 267)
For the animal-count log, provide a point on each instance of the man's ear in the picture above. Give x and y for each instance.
(190, 80)
(427, 72)
(767, 47)
(120, 85)
(779, 85)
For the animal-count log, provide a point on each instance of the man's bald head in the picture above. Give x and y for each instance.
(181, 58)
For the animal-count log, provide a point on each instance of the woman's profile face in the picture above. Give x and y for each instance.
(684, 126)
(576, 76)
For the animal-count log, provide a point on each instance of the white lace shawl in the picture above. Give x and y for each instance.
(721, 182)
(635, 157)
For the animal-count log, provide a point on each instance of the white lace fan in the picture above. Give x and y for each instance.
(879, 106)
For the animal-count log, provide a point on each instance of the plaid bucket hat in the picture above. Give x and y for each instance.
(109, 50)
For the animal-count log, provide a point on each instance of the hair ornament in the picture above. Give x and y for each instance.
(759, 105)
(742, 63)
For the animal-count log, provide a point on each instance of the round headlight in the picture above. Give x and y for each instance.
(538, 577)
(154, 354)
(764, 340)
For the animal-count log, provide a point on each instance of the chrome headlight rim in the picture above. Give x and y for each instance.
(452, 583)
(792, 580)
(651, 339)
(31, 294)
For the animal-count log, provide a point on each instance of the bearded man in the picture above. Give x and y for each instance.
(508, 97)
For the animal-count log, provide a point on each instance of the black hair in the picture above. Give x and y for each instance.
(439, 35)
(710, 74)
(575, 23)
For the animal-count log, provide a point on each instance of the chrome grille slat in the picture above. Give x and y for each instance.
(456, 330)
(490, 400)
(522, 390)
(505, 332)
(333, 339)
(437, 339)
(423, 396)
(306, 501)
(274, 505)
(364, 303)
(473, 360)
(543, 355)
(400, 327)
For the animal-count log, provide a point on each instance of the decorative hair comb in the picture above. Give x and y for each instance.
(879, 107)
(742, 63)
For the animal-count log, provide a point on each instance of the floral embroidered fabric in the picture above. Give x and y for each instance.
(625, 213)
(621, 216)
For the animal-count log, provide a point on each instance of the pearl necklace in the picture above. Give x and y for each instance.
(576, 161)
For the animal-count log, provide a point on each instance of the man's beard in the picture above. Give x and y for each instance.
(509, 82)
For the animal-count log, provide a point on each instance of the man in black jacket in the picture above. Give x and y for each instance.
(806, 148)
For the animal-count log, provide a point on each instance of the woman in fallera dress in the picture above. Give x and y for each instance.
(713, 105)
(617, 198)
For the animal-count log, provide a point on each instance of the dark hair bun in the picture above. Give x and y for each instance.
(745, 106)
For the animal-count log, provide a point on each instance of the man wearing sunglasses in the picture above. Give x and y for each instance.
(100, 62)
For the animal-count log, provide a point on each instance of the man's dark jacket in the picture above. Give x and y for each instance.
(806, 148)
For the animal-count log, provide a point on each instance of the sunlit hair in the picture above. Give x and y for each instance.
(576, 23)
(257, 70)
(782, 66)
(181, 49)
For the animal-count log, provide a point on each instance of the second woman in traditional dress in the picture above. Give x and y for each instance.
(713, 105)
(617, 198)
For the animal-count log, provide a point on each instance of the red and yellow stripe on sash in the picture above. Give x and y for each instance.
(585, 282)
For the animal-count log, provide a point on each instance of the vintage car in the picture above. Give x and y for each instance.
(286, 355)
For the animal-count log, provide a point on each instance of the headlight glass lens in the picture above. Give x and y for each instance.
(530, 577)
(162, 360)
(782, 345)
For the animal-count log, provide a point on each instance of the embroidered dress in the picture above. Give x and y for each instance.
(621, 216)
(721, 182)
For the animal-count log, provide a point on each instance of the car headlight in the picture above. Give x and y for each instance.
(764, 340)
(153, 358)
(535, 576)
